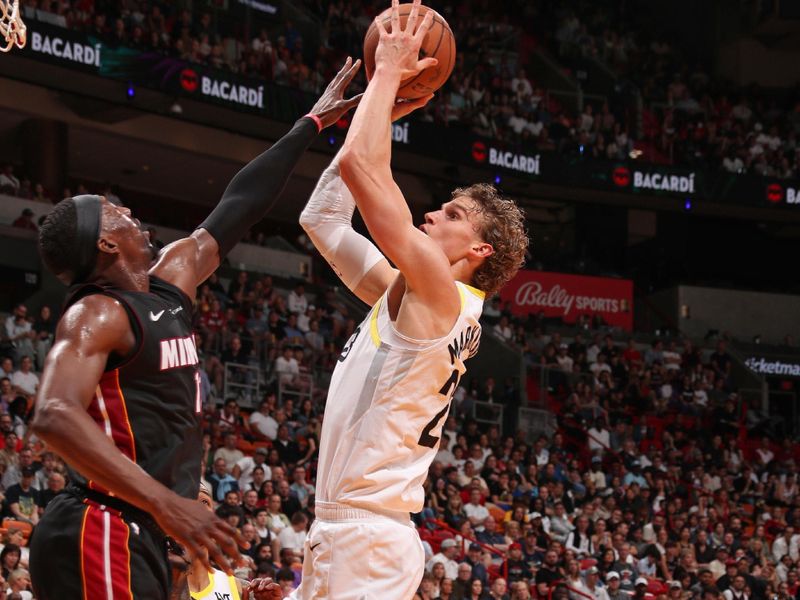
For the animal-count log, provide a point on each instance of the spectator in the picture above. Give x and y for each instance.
(229, 419)
(25, 381)
(516, 567)
(294, 537)
(300, 487)
(297, 301)
(45, 329)
(277, 521)
(9, 184)
(229, 452)
(24, 501)
(221, 481)
(245, 467)
(25, 221)
(446, 555)
(262, 424)
(476, 512)
(20, 333)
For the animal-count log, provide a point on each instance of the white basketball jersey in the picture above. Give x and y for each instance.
(220, 587)
(387, 403)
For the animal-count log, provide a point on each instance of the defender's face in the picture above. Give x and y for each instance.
(454, 227)
(126, 231)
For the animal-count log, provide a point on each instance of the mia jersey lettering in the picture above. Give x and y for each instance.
(387, 403)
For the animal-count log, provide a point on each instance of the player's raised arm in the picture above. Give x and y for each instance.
(327, 219)
(365, 167)
(252, 192)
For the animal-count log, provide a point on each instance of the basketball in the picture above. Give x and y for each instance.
(438, 43)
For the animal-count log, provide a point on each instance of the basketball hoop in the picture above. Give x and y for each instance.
(12, 28)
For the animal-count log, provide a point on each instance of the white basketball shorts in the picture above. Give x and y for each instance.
(353, 554)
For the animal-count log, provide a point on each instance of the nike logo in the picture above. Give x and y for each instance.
(155, 316)
(314, 546)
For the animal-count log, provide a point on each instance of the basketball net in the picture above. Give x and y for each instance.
(12, 28)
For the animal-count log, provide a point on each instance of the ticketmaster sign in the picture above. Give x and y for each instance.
(767, 366)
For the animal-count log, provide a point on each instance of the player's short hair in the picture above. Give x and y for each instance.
(502, 224)
(58, 237)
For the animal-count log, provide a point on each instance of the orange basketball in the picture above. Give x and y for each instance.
(438, 43)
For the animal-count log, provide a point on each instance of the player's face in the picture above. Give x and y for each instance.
(120, 227)
(455, 228)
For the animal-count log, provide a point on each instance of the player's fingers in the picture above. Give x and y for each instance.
(424, 27)
(419, 102)
(411, 23)
(353, 102)
(263, 584)
(345, 68)
(348, 77)
(381, 27)
(218, 556)
(230, 540)
(427, 62)
(395, 16)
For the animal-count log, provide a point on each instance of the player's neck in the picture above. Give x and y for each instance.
(197, 576)
(462, 271)
(124, 277)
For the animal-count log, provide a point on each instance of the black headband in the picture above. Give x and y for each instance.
(88, 209)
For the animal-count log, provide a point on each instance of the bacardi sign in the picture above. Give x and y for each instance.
(559, 295)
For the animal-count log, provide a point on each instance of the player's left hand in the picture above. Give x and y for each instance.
(262, 589)
(331, 105)
(403, 108)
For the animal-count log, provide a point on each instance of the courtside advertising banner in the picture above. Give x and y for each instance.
(566, 297)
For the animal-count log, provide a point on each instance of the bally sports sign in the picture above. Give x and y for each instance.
(563, 296)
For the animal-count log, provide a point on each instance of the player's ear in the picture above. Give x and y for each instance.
(107, 245)
(482, 250)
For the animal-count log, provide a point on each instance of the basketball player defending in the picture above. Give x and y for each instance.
(391, 389)
(119, 397)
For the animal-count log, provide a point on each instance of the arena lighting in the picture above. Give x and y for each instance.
(131, 91)
(331, 140)
(687, 206)
(634, 154)
(497, 180)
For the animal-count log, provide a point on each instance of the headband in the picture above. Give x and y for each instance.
(87, 210)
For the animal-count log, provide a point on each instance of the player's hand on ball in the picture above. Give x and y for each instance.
(331, 105)
(399, 50)
(262, 589)
(404, 108)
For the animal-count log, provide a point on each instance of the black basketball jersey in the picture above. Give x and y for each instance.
(148, 402)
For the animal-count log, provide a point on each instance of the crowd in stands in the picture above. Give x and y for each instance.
(687, 119)
(16, 182)
(659, 482)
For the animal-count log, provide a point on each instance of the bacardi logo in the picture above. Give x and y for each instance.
(479, 152)
(774, 192)
(189, 80)
(621, 177)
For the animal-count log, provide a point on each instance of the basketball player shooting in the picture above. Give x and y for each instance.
(120, 392)
(393, 383)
